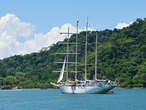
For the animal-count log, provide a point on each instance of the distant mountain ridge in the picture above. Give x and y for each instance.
(121, 55)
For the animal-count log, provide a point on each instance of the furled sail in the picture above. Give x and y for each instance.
(62, 71)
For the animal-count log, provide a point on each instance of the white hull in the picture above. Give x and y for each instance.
(84, 89)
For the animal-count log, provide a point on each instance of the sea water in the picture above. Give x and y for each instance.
(53, 99)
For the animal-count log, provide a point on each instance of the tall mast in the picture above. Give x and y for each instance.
(86, 43)
(96, 57)
(76, 57)
(67, 51)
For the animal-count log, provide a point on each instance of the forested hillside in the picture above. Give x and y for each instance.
(121, 55)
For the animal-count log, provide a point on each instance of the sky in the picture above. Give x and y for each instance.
(26, 26)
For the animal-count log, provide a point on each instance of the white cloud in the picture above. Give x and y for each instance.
(13, 26)
(123, 25)
(41, 40)
(18, 37)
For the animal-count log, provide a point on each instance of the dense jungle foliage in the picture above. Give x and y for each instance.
(121, 55)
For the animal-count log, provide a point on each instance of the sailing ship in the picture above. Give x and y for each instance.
(77, 86)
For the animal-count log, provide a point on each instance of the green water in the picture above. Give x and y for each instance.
(122, 99)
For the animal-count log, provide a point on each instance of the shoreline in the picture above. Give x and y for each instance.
(57, 88)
